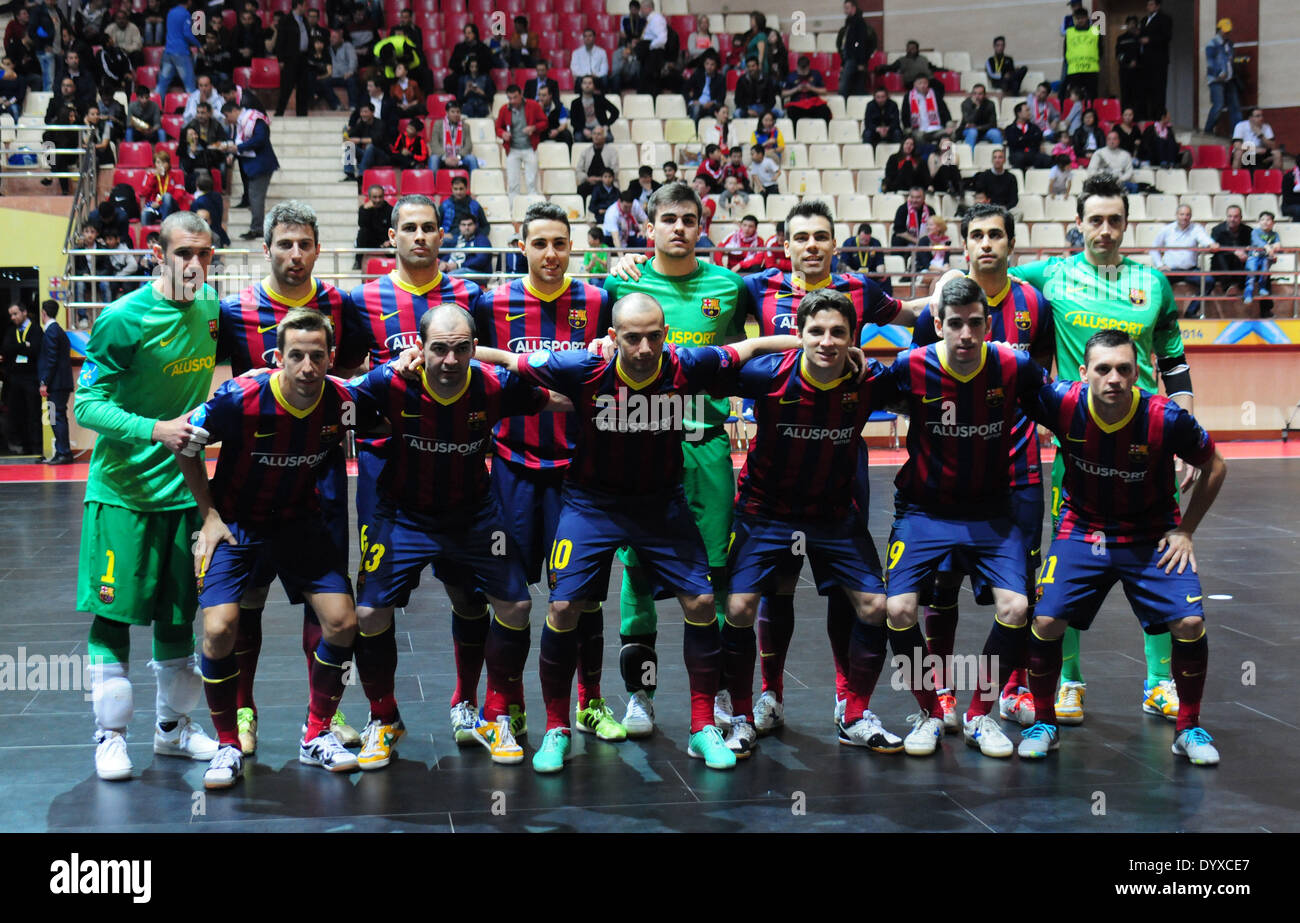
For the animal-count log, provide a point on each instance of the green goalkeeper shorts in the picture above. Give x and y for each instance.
(137, 567)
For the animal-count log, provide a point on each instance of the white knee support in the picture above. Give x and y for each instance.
(111, 695)
(180, 684)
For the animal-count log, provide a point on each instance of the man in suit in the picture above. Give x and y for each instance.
(252, 145)
(54, 373)
(590, 109)
(532, 85)
(22, 348)
(292, 43)
(706, 90)
(1156, 33)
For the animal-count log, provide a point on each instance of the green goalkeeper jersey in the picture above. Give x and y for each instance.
(706, 308)
(1085, 298)
(148, 359)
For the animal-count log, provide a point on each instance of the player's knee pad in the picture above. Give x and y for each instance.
(639, 666)
(180, 685)
(111, 695)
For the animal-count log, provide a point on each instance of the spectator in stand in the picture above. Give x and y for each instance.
(54, 374)
(450, 143)
(409, 150)
(460, 205)
(1156, 34)
(998, 183)
(194, 156)
(754, 44)
(856, 43)
(979, 118)
(1174, 253)
(654, 48)
(906, 168)
(670, 172)
(802, 93)
(204, 92)
(775, 257)
(111, 111)
(533, 85)
(632, 25)
(362, 30)
(343, 71)
(625, 222)
(118, 263)
(881, 120)
(1060, 176)
(215, 61)
(84, 81)
(177, 63)
(470, 47)
(1233, 237)
(701, 42)
(711, 168)
(112, 65)
(100, 137)
(589, 60)
(592, 164)
(1089, 138)
(625, 68)
(109, 212)
(706, 90)
(315, 30)
(755, 94)
(373, 219)
(910, 66)
(768, 136)
(318, 64)
(924, 111)
(779, 56)
(1291, 192)
(1264, 243)
(210, 201)
(644, 185)
(393, 50)
(723, 132)
(249, 38)
(709, 202)
(860, 253)
(1222, 78)
(158, 198)
(1159, 146)
(523, 44)
(252, 144)
(89, 265)
(22, 350)
(25, 64)
(468, 252)
(595, 261)
(1130, 135)
(292, 47)
(1001, 69)
(1114, 159)
(935, 257)
(125, 35)
(520, 125)
(911, 219)
(475, 91)
(153, 23)
(1044, 111)
(603, 195)
(590, 109)
(408, 98)
(1254, 137)
(742, 251)
(369, 139)
(1083, 54)
(144, 117)
(734, 200)
(763, 171)
(945, 175)
(1128, 61)
(735, 166)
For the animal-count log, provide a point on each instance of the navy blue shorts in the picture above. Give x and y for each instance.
(301, 553)
(1027, 508)
(765, 550)
(1077, 575)
(369, 465)
(474, 552)
(530, 502)
(660, 529)
(993, 549)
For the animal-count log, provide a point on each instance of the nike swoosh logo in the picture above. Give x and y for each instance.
(165, 343)
(931, 400)
(795, 401)
(514, 316)
(405, 414)
(263, 435)
(387, 316)
(267, 329)
(1192, 599)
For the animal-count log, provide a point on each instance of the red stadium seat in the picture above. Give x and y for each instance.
(146, 77)
(440, 75)
(733, 78)
(543, 22)
(437, 105)
(951, 81)
(606, 26)
(564, 77)
(266, 74)
(892, 82)
(1210, 157)
(684, 25)
(151, 55)
(501, 77)
(216, 180)
(142, 232)
(569, 9)
(878, 59)
(443, 183)
(832, 79)
(280, 6)
(551, 45)
(384, 176)
(823, 61)
(418, 181)
(134, 154)
(174, 103)
(521, 76)
(454, 24)
(428, 21)
(481, 10)
(229, 19)
(243, 77)
(172, 124)
(1107, 110)
(436, 57)
(380, 265)
(1237, 181)
(171, 147)
(1268, 181)
(516, 8)
(430, 6)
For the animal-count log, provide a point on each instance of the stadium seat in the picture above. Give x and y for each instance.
(141, 234)
(266, 74)
(152, 55)
(1144, 235)
(1224, 200)
(1137, 208)
(844, 130)
(858, 157)
(779, 205)
(679, 131)
(520, 204)
(823, 156)
(442, 183)
(868, 181)
(1258, 202)
(172, 148)
(1061, 209)
(669, 106)
(1210, 156)
(242, 77)
(951, 81)
(380, 265)
(1203, 181)
(1201, 205)
(552, 155)
(885, 205)
(133, 176)
(1047, 235)
(418, 181)
(1030, 207)
(1036, 182)
(496, 207)
(1161, 207)
(801, 44)
(384, 176)
(564, 77)
(1107, 110)
(134, 154)
(852, 207)
(956, 61)
(638, 106)
(835, 181)
(892, 82)
(1269, 181)
(855, 107)
(174, 103)
(1172, 182)
(146, 76)
(172, 124)
(810, 131)
(558, 182)
(644, 130)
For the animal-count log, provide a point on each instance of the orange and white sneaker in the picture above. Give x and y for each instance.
(951, 720)
(1017, 707)
(500, 742)
(378, 742)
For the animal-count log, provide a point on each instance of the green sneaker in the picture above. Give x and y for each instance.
(550, 757)
(346, 734)
(709, 746)
(518, 721)
(246, 725)
(598, 718)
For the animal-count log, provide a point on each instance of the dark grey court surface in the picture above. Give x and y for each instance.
(1114, 773)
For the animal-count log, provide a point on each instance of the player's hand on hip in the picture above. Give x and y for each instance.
(1177, 548)
(627, 267)
(1189, 474)
(177, 434)
(408, 364)
(213, 533)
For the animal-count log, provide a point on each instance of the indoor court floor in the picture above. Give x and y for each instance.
(1112, 774)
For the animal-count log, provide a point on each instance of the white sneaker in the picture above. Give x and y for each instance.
(741, 738)
(1038, 740)
(983, 732)
(840, 705)
(868, 732)
(1017, 707)
(111, 760)
(1197, 745)
(225, 769)
(464, 719)
(769, 712)
(924, 736)
(327, 752)
(186, 739)
(640, 717)
(722, 709)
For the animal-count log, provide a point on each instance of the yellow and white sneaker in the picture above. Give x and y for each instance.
(500, 741)
(378, 742)
(1162, 699)
(1069, 703)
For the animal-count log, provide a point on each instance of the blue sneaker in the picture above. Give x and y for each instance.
(1038, 740)
(554, 751)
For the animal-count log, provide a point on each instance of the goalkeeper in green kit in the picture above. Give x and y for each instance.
(1094, 290)
(149, 362)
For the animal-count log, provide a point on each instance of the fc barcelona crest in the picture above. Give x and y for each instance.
(212, 328)
(1138, 296)
(993, 397)
(1022, 320)
(477, 418)
(850, 398)
(577, 318)
(711, 307)
(107, 593)
(1138, 452)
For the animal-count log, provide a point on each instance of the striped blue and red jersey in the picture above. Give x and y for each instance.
(1119, 478)
(248, 320)
(271, 452)
(434, 465)
(630, 432)
(777, 297)
(961, 429)
(1022, 318)
(518, 318)
(804, 454)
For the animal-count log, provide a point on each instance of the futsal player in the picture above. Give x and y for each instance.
(545, 310)
(279, 428)
(247, 338)
(1101, 289)
(1120, 522)
(149, 362)
(624, 488)
(387, 310)
(435, 508)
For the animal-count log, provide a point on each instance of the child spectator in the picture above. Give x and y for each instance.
(596, 259)
(1263, 253)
